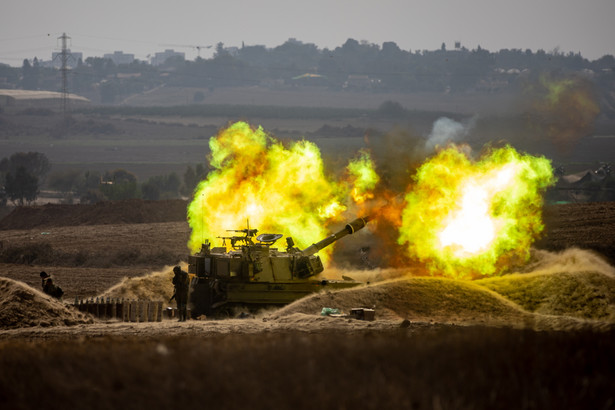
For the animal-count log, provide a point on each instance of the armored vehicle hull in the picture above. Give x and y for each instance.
(255, 274)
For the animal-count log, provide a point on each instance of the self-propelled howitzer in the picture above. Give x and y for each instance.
(254, 273)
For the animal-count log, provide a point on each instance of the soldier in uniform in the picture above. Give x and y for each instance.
(44, 277)
(181, 282)
(49, 287)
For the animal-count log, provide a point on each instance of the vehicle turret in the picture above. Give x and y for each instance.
(253, 272)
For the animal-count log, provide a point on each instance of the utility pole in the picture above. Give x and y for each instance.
(64, 56)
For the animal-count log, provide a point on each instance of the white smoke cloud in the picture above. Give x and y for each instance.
(446, 130)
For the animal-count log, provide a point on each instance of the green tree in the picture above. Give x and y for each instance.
(161, 186)
(192, 177)
(150, 190)
(64, 181)
(220, 51)
(89, 180)
(171, 184)
(30, 75)
(189, 181)
(21, 187)
(34, 163)
(391, 109)
(119, 184)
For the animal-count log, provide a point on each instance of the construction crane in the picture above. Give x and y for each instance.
(197, 48)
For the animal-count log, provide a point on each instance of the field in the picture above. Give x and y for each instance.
(541, 338)
(157, 144)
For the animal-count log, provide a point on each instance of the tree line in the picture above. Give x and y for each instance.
(353, 65)
(23, 174)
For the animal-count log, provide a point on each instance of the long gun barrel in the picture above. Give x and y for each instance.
(349, 229)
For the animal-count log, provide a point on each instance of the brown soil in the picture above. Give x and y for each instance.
(584, 225)
(539, 339)
(102, 213)
(22, 306)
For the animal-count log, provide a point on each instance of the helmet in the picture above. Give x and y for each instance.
(44, 274)
(177, 269)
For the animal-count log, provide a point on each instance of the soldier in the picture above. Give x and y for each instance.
(44, 277)
(48, 286)
(181, 281)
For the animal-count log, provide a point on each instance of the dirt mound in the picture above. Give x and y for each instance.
(418, 299)
(22, 306)
(573, 283)
(154, 286)
(570, 289)
(134, 211)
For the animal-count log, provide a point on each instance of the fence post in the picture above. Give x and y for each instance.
(108, 308)
(151, 311)
(133, 311)
(159, 311)
(125, 310)
(92, 307)
(113, 308)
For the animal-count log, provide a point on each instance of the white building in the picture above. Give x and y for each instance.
(119, 57)
(160, 58)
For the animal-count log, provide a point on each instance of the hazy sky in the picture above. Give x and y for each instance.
(30, 28)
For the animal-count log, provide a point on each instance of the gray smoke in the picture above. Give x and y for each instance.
(446, 130)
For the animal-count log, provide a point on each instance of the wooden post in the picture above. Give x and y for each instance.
(151, 311)
(108, 308)
(158, 311)
(141, 316)
(125, 310)
(133, 311)
(92, 307)
(113, 309)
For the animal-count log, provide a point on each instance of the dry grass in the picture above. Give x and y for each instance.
(419, 299)
(587, 295)
(22, 306)
(572, 283)
(154, 286)
(432, 368)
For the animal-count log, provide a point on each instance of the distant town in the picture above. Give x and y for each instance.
(353, 66)
(118, 58)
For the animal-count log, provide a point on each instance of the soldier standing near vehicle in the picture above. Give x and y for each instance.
(181, 281)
